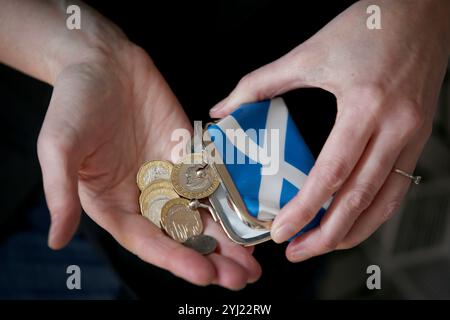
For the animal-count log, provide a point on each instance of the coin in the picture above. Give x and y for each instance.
(180, 222)
(153, 198)
(153, 170)
(202, 243)
(159, 183)
(192, 178)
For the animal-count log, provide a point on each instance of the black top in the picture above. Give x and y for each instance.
(202, 49)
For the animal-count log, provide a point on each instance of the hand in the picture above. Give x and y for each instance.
(386, 83)
(109, 114)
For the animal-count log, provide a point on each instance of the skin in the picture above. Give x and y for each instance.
(386, 84)
(110, 111)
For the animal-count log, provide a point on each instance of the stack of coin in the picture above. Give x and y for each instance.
(169, 198)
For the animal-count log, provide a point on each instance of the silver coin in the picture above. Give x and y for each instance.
(202, 243)
(153, 170)
(153, 199)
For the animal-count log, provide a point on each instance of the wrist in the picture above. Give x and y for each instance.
(428, 14)
(446, 14)
(98, 40)
(439, 13)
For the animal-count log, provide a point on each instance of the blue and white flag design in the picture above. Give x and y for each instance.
(264, 194)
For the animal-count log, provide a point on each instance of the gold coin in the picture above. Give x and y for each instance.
(153, 199)
(157, 184)
(194, 179)
(180, 222)
(153, 170)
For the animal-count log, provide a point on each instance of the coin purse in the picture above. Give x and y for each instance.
(262, 161)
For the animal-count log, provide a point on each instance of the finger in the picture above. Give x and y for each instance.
(148, 242)
(229, 274)
(59, 165)
(235, 252)
(354, 197)
(341, 152)
(250, 249)
(288, 72)
(388, 199)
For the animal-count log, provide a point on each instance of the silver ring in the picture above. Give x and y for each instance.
(415, 179)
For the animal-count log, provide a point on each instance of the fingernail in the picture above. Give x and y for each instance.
(240, 288)
(53, 231)
(51, 236)
(282, 233)
(297, 255)
(217, 107)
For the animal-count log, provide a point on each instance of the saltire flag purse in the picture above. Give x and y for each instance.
(262, 161)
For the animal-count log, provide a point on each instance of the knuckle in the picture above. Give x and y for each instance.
(349, 243)
(411, 118)
(390, 209)
(129, 242)
(60, 210)
(45, 143)
(427, 131)
(329, 243)
(331, 175)
(52, 145)
(55, 208)
(308, 214)
(360, 198)
(42, 144)
(245, 81)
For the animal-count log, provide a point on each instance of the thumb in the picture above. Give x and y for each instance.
(59, 164)
(266, 82)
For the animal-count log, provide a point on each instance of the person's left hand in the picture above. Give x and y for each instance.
(386, 83)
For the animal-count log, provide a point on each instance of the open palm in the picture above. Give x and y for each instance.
(106, 117)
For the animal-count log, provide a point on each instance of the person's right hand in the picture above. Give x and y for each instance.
(109, 113)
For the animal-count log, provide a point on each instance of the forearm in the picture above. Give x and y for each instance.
(428, 14)
(34, 37)
(435, 12)
(444, 7)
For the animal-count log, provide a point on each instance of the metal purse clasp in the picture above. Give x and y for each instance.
(225, 204)
(237, 222)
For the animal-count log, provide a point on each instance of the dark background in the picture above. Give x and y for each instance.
(202, 49)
